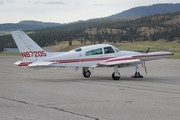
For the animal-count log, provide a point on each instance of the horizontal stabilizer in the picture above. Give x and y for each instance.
(40, 64)
(33, 64)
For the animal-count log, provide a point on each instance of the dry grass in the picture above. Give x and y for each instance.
(160, 45)
(174, 20)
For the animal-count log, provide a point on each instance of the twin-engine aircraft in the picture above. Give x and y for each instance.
(100, 55)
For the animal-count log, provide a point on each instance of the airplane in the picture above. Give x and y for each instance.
(87, 57)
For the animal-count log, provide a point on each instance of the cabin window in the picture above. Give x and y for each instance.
(78, 49)
(94, 52)
(108, 50)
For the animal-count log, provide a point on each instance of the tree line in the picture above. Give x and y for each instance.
(105, 29)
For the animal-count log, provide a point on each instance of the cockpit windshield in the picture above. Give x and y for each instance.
(116, 49)
(108, 50)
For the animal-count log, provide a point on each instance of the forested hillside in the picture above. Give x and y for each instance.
(27, 25)
(152, 28)
(148, 10)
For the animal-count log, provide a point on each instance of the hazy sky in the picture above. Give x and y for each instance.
(64, 11)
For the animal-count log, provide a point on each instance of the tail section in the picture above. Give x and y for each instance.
(29, 50)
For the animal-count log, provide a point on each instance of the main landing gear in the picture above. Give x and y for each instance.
(116, 75)
(137, 73)
(86, 73)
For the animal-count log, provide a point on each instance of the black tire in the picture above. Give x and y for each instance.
(115, 77)
(141, 76)
(87, 74)
(137, 74)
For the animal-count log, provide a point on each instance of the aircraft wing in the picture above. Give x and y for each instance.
(125, 61)
(153, 56)
(120, 61)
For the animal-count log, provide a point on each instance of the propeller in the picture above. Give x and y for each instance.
(145, 67)
(144, 63)
(147, 50)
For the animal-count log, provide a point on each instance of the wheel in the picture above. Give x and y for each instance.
(137, 74)
(87, 74)
(115, 77)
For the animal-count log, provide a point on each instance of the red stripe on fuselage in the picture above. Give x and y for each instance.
(81, 60)
(120, 59)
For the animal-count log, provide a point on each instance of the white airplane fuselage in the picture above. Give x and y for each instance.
(79, 59)
(75, 58)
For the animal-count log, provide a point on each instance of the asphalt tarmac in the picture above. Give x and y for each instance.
(63, 94)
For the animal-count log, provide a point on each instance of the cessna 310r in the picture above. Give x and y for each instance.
(100, 55)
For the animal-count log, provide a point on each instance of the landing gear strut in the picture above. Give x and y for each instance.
(137, 73)
(86, 73)
(116, 75)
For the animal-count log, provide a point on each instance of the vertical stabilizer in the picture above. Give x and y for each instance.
(29, 50)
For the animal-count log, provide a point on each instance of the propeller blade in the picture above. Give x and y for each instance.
(147, 51)
(145, 67)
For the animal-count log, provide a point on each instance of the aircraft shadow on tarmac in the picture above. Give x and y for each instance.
(102, 79)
